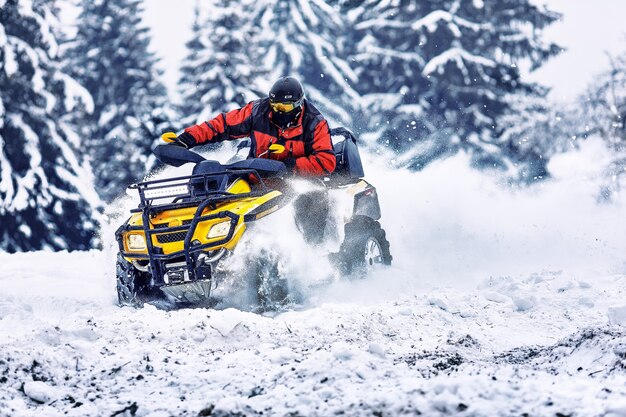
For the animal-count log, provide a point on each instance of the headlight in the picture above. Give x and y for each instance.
(219, 230)
(136, 242)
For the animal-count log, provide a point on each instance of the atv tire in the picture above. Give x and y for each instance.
(365, 246)
(132, 285)
(272, 289)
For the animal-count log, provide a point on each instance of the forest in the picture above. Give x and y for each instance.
(82, 107)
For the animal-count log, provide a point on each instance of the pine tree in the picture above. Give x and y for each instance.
(604, 105)
(191, 72)
(217, 75)
(534, 130)
(110, 57)
(434, 74)
(46, 196)
(307, 39)
(242, 47)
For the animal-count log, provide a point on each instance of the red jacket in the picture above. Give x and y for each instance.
(308, 142)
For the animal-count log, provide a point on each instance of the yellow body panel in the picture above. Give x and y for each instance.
(177, 217)
(360, 186)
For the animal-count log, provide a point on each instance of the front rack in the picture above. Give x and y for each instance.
(186, 188)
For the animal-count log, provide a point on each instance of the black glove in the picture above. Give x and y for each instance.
(185, 139)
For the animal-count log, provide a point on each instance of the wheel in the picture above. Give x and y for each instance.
(132, 285)
(365, 246)
(272, 289)
(311, 211)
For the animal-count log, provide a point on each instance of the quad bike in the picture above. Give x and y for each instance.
(172, 246)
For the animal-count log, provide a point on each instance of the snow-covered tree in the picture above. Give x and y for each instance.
(47, 199)
(110, 57)
(218, 74)
(535, 129)
(435, 75)
(242, 47)
(604, 105)
(308, 39)
(425, 78)
(191, 72)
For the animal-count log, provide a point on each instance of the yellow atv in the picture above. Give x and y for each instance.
(171, 247)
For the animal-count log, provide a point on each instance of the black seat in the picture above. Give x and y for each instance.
(196, 185)
(349, 166)
(267, 168)
(207, 167)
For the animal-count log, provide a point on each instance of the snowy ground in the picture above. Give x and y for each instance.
(541, 345)
(498, 304)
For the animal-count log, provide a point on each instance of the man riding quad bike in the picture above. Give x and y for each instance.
(174, 243)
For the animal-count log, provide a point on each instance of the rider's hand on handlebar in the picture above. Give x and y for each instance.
(185, 139)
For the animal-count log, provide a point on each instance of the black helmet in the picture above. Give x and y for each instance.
(286, 98)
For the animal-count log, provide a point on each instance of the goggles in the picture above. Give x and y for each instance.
(285, 107)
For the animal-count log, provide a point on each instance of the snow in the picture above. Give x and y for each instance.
(39, 391)
(25, 230)
(73, 351)
(45, 22)
(75, 92)
(308, 12)
(321, 47)
(459, 56)
(108, 114)
(368, 48)
(22, 198)
(10, 63)
(329, 11)
(431, 20)
(617, 315)
(317, 96)
(495, 306)
(6, 181)
(37, 80)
